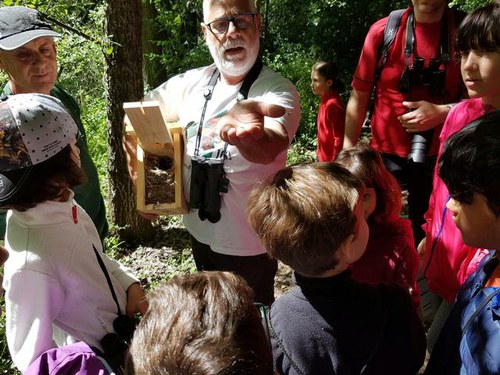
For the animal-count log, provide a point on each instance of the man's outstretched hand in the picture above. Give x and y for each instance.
(243, 127)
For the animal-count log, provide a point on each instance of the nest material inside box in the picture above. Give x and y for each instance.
(159, 179)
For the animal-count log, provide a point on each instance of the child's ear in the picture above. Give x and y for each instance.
(347, 253)
(329, 82)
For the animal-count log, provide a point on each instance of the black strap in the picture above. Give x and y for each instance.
(208, 95)
(108, 279)
(410, 36)
(444, 45)
(390, 31)
(211, 84)
(250, 79)
(242, 94)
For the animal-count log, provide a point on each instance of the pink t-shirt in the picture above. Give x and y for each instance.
(331, 125)
(448, 261)
(388, 135)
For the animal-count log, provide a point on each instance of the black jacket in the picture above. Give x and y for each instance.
(338, 326)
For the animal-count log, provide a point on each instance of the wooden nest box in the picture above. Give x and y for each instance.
(160, 150)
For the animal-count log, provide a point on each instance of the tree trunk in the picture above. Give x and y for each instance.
(123, 83)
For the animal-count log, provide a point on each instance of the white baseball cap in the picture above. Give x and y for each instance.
(33, 128)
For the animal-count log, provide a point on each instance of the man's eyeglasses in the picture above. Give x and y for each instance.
(240, 21)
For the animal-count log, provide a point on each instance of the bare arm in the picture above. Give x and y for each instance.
(243, 127)
(136, 300)
(355, 115)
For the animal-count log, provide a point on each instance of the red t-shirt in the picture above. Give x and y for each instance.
(387, 133)
(331, 125)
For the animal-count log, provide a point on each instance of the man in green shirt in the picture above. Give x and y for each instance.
(28, 56)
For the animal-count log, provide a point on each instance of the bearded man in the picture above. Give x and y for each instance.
(231, 142)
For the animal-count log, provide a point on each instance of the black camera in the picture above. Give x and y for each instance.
(115, 344)
(431, 77)
(208, 181)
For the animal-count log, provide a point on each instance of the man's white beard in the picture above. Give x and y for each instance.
(234, 67)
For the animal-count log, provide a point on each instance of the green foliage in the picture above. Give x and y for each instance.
(469, 5)
(178, 45)
(293, 62)
(81, 65)
(295, 35)
(302, 151)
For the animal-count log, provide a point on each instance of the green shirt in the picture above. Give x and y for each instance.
(88, 195)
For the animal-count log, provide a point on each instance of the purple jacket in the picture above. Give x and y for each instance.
(75, 359)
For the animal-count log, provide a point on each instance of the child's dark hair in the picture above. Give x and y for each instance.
(329, 70)
(304, 213)
(470, 163)
(367, 164)
(480, 30)
(45, 181)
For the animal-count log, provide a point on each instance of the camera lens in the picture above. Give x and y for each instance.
(420, 144)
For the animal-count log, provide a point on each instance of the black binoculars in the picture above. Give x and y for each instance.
(431, 77)
(208, 181)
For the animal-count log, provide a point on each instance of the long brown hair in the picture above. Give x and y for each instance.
(45, 181)
(367, 164)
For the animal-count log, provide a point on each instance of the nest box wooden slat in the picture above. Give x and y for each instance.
(159, 145)
(150, 128)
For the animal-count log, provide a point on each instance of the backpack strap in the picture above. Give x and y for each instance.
(390, 31)
(478, 310)
(486, 271)
(108, 280)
